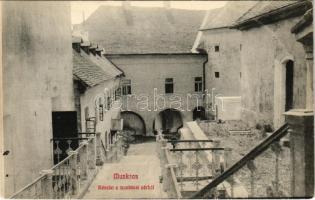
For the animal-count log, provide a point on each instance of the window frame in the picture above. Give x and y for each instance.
(198, 84)
(126, 87)
(169, 86)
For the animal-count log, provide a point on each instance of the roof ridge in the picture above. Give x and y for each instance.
(150, 7)
(273, 10)
(247, 12)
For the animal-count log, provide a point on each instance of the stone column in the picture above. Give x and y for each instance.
(301, 131)
(309, 75)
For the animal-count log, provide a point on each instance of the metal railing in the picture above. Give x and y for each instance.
(71, 176)
(259, 169)
(194, 162)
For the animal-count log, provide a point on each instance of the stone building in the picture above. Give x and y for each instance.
(252, 45)
(223, 46)
(97, 89)
(152, 46)
(37, 80)
(273, 62)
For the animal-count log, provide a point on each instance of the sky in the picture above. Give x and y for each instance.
(86, 8)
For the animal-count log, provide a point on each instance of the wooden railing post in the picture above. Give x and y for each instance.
(92, 154)
(99, 157)
(251, 166)
(228, 163)
(47, 184)
(216, 159)
(73, 172)
(84, 160)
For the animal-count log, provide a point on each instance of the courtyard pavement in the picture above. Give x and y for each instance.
(142, 161)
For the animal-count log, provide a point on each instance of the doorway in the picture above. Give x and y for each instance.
(65, 129)
(283, 89)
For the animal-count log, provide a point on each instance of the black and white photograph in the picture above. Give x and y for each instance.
(156, 100)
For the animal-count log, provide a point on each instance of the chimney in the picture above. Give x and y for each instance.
(98, 51)
(77, 47)
(169, 14)
(167, 4)
(127, 13)
(93, 49)
(85, 47)
(126, 4)
(76, 43)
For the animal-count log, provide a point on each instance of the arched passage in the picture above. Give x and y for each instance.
(133, 122)
(169, 120)
(199, 113)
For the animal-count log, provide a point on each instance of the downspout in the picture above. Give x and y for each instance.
(204, 78)
(204, 86)
(204, 73)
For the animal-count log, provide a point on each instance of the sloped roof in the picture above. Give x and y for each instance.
(266, 12)
(139, 30)
(88, 71)
(106, 65)
(263, 7)
(228, 15)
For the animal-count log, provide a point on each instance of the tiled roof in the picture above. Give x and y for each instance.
(263, 7)
(106, 65)
(87, 70)
(228, 15)
(137, 30)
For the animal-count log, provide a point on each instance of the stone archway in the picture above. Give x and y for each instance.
(133, 122)
(168, 120)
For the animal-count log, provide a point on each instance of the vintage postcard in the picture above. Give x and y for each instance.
(156, 99)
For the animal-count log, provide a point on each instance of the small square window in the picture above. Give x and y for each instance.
(216, 48)
(169, 86)
(217, 74)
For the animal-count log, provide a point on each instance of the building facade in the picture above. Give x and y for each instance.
(97, 89)
(37, 80)
(159, 82)
(273, 66)
(154, 52)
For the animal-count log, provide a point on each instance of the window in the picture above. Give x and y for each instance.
(100, 110)
(217, 74)
(117, 93)
(169, 86)
(198, 84)
(126, 87)
(86, 113)
(216, 48)
(240, 74)
(109, 102)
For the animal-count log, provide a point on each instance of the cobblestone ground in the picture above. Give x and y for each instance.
(141, 160)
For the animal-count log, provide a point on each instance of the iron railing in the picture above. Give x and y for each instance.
(194, 162)
(261, 180)
(70, 177)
